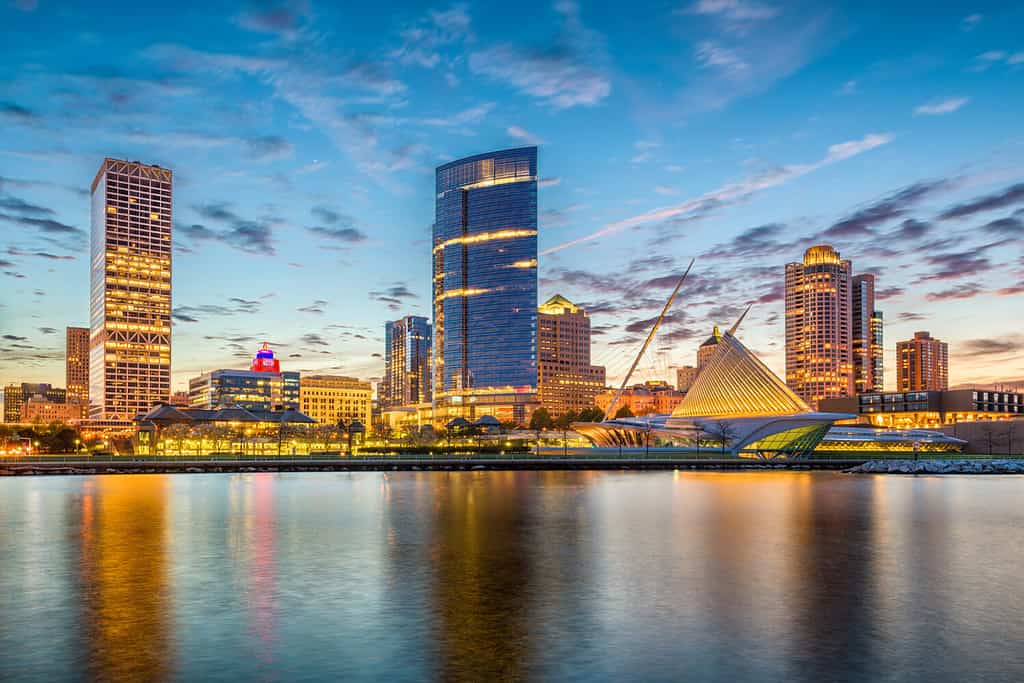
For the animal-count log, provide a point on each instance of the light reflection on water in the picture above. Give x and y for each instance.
(510, 576)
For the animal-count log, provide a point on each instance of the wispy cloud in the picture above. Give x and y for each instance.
(567, 74)
(735, 192)
(524, 135)
(946, 106)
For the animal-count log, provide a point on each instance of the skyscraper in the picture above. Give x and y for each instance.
(485, 286)
(866, 335)
(76, 367)
(707, 348)
(407, 347)
(566, 381)
(922, 364)
(819, 326)
(130, 295)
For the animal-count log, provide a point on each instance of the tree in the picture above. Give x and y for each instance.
(590, 415)
(566, 419)
(624, 411)
(722, 432)
(176, 433)
(541, 419)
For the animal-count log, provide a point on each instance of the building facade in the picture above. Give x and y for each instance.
(566, 381)
(262, 387)
(16, 395)
(652, 397)
(130, 293)
(485, 286)
(39, 409)
(247, 389)
(929, 408)
(330, 398)
(76, 368)
(685, 377)
(819, 326)
(867, 340)
(407, 352)
(922, 364)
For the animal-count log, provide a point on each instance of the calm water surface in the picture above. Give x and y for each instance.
(506, 576)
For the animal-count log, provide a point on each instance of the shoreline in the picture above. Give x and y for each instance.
(456, 464)
(391, 464)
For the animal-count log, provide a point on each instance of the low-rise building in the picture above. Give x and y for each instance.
(16, 395)
(928, 409)
(40, 409)
(655, 396)
(330, 398)
(262, 387)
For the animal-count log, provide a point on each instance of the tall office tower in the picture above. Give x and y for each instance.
(866, 335)
(130, 297)
(922, 364)
(485, 286)
(407, 345)
(819, 326)
(566, 381)
(76, 367)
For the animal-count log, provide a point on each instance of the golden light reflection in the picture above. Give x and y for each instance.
(124, 567)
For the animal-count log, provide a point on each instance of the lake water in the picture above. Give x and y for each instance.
(485, 576)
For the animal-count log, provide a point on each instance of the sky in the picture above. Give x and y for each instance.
(303, 137)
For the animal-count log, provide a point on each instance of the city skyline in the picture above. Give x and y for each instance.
(838, 153)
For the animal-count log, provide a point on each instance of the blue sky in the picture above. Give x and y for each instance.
(303, 137)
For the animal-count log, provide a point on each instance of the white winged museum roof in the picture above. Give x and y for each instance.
(735, 383)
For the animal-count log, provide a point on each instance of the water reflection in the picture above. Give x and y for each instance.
(482, 570)
(125, 592)
(511, 576)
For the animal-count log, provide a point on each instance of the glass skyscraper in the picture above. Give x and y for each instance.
(407, 345)
(130, 294)
(485, 286)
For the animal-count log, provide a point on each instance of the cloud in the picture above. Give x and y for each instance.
(911, 229)
(393, 296)
(462, 118)
(937, 107)
(863, 221)
(524, 135)
(549, 182)
(889, 293)
(284, 19)
(249, 236)
(315, 307)
(987, 347)
(970, 22)
(48, 330)
(741, 11)
(14, 251)
(347, 235)
(965, 292)
(733, 193)
(754, 242)
(269, 147)
(567, 73)
(20, 206)
(1011, 226)
(421, 41)
(848, 88)
(313, 339)
(12, 337)
(986, 60)
(18, 114)
(1011, 195)
(710, 55)
(234, 306)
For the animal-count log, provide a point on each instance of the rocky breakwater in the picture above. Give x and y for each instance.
(940, 467)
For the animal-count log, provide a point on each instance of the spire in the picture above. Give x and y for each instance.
(736, 325)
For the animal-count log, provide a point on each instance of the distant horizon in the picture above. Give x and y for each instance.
(304, 140)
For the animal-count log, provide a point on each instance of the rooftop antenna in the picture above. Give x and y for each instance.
(650, 335)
